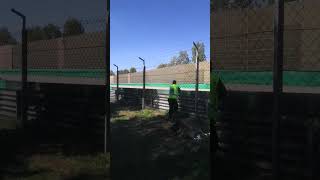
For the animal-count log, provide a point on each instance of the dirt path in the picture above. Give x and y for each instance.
(146, 148)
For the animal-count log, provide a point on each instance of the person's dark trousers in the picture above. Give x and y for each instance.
(173, 107)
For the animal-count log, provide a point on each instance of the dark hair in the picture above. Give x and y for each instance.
(174, 82)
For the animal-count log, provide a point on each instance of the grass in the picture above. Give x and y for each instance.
(7, 124)
(58, 166)
(28, 157)
(146, 114)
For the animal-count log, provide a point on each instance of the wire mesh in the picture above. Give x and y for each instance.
(301, 43)
(242, 43)
(162, 77)
(10, 53)
(73, 52)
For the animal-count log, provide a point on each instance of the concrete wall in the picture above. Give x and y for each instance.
(86, 51)
(6, 59)
(242, 39)
(182, 73)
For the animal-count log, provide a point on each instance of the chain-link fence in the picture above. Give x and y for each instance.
(157, 83)
(73, 52)
(184, 74)
(66, 64)
(270, 96)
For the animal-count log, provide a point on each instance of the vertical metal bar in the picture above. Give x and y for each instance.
(277, 84)
(144, 87)
(107, 84)
(12, 54)
(310, 141)
(18, 107)
(197, 80)
(197, 85)
(24, 72)
(117, 94)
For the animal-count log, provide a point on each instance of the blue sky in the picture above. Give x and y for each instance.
(153, 29)
(40, 12)
(156, 30)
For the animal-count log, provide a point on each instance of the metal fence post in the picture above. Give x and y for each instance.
(277, 84)
(24, 67)
(117, 91)
(144, 87)
(144, 83)
(107, 83)
(197, 80)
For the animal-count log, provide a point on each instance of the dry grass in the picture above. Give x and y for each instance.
(146, 114)
(52, 167)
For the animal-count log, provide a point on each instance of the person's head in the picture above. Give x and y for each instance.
(174, 82)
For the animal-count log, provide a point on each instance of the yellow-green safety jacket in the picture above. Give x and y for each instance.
(174, 91)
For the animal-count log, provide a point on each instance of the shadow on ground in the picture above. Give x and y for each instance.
(32, 154)
(146, 148)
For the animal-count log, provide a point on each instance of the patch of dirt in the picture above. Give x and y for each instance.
(150, 149)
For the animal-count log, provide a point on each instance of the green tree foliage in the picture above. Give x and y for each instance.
(35, 33)
(173, 61)
(202, 55)
(219, 4)
(125, 71)
(183, 58)
(133, 70)
(6, 37)
(51, 31)
(73, 27)
(162, 66)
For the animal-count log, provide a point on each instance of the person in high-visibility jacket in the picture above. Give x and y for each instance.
(174, 94)
(217, 92)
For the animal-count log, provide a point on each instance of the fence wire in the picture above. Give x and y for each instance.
(301, 43)
(57, 53)
(242, 43)
(262, 134)
(184, 74)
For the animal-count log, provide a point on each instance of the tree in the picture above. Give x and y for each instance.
(162, 66)
(73, 27)
(220, 4)
(6, 37)
(51, 31)
(35, 33)
(201, 48)
(183, 58)
(173, 61)
(133, 70)
(125, 71)
(112, 73)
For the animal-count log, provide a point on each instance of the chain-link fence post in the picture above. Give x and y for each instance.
(24, 67)
(117, 90)
(197, 80)
(277, 83)
(144, 83)
(107, 133)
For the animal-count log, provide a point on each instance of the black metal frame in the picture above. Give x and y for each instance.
(24, 66)
(277, 83)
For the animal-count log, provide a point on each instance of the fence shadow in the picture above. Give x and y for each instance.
(149, 149)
